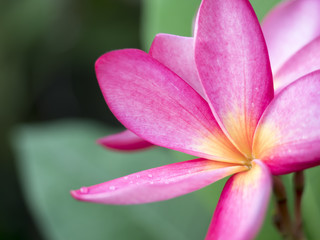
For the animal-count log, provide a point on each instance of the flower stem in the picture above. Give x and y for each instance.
(298, 182)
(283, 220)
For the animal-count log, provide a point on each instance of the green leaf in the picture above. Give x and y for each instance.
(310, 203)
(262, 7)
(55, 158)
(167, 16)
(177, 16)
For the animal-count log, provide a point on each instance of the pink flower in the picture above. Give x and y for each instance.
(212, 96)
(287, 29)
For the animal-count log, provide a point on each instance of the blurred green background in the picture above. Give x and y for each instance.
(52, 112)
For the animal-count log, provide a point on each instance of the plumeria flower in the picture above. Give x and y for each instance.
(290, 29)
(212, 96)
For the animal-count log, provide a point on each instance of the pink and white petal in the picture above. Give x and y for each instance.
(158, 184)
(124, 141)
(177, 53)
(290, 26)
(305, 61)
(233, 65)
(242, 205)
(288, 135)
(157, 105)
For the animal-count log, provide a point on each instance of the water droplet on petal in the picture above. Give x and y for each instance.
(126, 177)
(112, 188)
(151, 182)
(137, 176)
(150, 175)
(84, 190)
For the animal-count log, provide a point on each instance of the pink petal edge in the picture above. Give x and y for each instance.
(233, 65)
(242, 205)
(305, 61)
(288, 135)
(289, 27)
(177, 53)
(124, 141)
(157, 105)
(157, 184)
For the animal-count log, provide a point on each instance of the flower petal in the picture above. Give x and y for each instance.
(233, 64)
(177, 53)
(290, 26)
(125, 141)
(242, 205)
(303, 62)
(157, 105)
(288, 135)
(158, 184)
